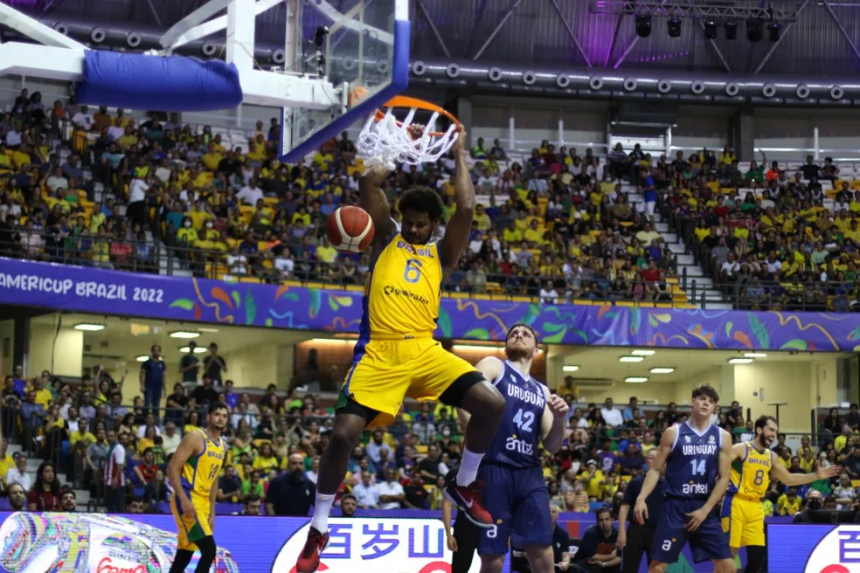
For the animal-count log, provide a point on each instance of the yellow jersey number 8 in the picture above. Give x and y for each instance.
(413, 271)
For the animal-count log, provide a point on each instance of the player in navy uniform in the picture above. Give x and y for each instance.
(510, 477)
(697, 456)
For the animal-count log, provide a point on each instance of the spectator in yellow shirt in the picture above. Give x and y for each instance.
(789, 503)
(43, 395)
(326, 253)
(482, 219)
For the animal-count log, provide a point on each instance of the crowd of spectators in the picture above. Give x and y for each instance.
(274, 447)
(771, 235)
(555, 226)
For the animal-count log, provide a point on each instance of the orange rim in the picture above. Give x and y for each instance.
(405, 102)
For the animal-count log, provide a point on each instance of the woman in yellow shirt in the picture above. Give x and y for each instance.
(265, 458)
(727, 157)
(192, 423)
(147, 441)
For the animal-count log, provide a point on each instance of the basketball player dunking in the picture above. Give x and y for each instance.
(511, 476)
(697, 456)
(396, 355)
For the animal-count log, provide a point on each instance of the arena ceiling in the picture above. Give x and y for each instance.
(816, 37)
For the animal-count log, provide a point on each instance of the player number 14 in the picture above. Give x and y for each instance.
(698, 467)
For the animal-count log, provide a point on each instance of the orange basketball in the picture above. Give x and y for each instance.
(349, 229)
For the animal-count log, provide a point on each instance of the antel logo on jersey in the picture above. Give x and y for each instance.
(519, 446)
(837, 552)
(695, 488)
(394, 291)
(108, 565)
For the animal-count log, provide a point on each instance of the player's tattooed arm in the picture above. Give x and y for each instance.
(459, 227)
(372, 199)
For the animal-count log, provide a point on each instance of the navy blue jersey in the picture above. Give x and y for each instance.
(518, 437)
(691, 470)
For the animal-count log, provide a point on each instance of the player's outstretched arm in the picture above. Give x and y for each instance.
(652, 478)
(372, 199)
(459, 228)
(190, 445)
(781, 473)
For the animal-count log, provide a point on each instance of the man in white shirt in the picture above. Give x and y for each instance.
(150, 421)
(366, 493)
(390, 491)
(284, 263)
(84, 121)
(611, 416)
(19, 474)
(170, 440)
(730, 268)
(115, 474)
(57, 180)
(250, 193)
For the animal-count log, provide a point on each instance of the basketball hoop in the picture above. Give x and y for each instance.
(388, 141)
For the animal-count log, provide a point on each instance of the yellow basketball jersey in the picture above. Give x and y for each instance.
(403, 291)
(751, 476)
(201, 471)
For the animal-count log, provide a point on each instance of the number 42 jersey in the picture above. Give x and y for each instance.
(517, 440)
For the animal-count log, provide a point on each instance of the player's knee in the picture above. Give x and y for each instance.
(657, 567)
(344, 437)
(491, 404)
(725, 566)
(207, 549)
(492, 563)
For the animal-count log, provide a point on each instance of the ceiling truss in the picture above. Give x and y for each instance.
(684, 9)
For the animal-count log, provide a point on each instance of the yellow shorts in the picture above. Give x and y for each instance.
(191, 530)
(743, 520)
(387, 371)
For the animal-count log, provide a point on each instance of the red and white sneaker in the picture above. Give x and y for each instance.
(309, 559)
(469, 500)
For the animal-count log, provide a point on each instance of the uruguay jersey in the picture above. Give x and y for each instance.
(518, 436)
(403, 291)
(691, 470)
(201, 471)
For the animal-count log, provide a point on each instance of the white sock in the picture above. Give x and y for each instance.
(322, 507)
(468, 471)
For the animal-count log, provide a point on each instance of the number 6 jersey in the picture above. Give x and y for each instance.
(517, 440)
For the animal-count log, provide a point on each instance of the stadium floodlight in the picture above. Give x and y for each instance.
(89, 327)
(631, 359)
(643, 26)
(636, 379)
(674, 27)
(643, 352)
(710, 30)
(197, 349)
(773, 31)
(142, 358)
(570, 368)
(755, 354)
(755, 30)
(741, 361)
(662, 370)
(184, 334)
(731, 31)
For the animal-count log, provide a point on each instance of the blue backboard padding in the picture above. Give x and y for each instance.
(172, 83)
(399, 83)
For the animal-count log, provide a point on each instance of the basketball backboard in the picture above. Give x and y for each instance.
(357, 46)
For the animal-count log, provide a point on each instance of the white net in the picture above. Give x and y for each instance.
(389, 142)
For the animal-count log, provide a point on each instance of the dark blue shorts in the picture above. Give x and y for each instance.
(707, 543)
(518, 500)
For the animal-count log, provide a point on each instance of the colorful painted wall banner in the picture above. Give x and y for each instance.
(82, 289)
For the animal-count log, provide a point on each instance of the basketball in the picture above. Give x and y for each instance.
(349, 229)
